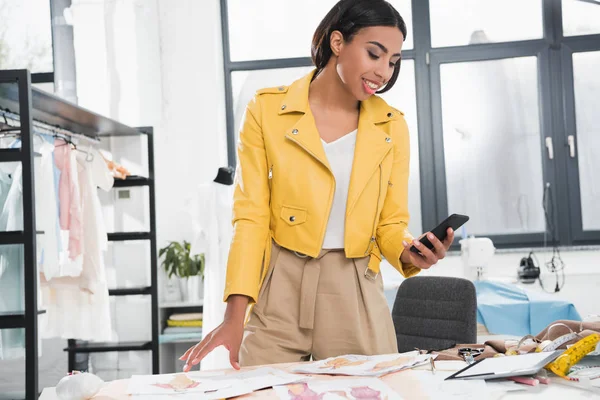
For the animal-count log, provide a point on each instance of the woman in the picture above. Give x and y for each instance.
(321, 195)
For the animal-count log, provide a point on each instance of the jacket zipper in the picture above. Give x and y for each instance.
(271, 172)
(331, 193)
(372, 240)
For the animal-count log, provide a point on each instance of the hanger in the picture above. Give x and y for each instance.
(15, 130)
(225, 176)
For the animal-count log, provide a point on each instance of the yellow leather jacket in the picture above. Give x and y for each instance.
(284, 186)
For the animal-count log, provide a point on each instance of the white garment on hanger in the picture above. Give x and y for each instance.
(12, 341)
(46, 210)
(211, 216)
(79, 307)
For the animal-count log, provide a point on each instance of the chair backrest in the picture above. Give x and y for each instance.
(435, 313)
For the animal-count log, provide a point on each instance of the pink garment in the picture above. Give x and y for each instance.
(68, 194)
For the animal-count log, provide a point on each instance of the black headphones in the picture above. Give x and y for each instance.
(528, 271)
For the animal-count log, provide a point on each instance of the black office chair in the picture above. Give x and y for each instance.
(435, 313)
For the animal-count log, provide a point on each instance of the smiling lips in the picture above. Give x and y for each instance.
(370, 86)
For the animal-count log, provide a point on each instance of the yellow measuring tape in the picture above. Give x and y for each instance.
(573, 355)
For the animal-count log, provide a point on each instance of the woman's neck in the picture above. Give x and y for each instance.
(327, 91)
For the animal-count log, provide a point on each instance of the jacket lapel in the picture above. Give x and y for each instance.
(372, 145)
(304, 132)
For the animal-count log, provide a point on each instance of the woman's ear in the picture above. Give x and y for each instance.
(336, 42)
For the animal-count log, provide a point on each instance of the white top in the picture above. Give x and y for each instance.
(340, 154)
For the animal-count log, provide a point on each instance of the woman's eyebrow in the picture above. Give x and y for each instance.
(383, 48)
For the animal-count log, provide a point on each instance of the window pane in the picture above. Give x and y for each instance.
(25, 35)
(403, 96)
(484, 21)
(587, 104)
(580, 17)
(46, 86)
(272, 29)
(492, 144)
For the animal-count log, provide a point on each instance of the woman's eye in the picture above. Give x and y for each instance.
(373, 56)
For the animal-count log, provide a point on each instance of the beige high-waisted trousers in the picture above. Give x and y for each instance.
(317, 307)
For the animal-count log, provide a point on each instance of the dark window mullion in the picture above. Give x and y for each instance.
(489, 51)
(427, 163)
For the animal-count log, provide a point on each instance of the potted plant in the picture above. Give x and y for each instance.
(176, 260)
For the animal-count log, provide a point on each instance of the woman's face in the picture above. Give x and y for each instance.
(366, 63)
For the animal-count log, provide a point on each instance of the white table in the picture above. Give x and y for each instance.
(406, 383)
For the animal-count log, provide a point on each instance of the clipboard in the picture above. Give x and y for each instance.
(503, 367)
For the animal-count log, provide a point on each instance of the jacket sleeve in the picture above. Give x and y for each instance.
(250, 209)
(394, 217)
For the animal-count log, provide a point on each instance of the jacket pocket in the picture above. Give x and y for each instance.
(293, 215)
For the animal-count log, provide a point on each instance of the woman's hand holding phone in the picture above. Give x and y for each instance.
(426, 257)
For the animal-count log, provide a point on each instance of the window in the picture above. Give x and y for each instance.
(492, 150)
(275, 29)
(580, 17)
(468, 22)
(26, 35)
(587, 104)
(493, 122)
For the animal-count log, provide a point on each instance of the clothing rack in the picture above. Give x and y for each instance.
(34, 107)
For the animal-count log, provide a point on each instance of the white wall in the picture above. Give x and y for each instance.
(147, 63)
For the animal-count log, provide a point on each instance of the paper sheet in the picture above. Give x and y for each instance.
(333, 389)
(507, 364)
(358, 365)
(434, 387)
(202, 387)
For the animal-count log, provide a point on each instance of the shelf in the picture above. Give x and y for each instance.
(182, 304)
(132, 181)
(12, 237)
(126, 236)
(56, 111)
(130, 291)
(12, 320)
(10, 155)
(180, 337)
(107, 347)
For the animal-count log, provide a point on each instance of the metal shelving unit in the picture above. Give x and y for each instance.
(73, 347)
(18, 96)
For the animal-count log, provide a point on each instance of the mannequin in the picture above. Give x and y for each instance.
(211, 212)
(225, 176)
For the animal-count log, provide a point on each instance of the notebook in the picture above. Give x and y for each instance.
(502, 367)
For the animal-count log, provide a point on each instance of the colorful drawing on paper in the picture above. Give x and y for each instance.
(202, 386)
(330, 389)
(359, 365)
(179, 383)
(337, 363)
(397, 362)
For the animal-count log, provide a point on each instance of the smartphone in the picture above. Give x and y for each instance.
(454, 221)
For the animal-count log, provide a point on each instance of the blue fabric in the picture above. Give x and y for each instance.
(509, 310)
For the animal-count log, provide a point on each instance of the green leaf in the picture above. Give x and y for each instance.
(176, 260)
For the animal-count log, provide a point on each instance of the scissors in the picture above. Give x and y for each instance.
(469, 353)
